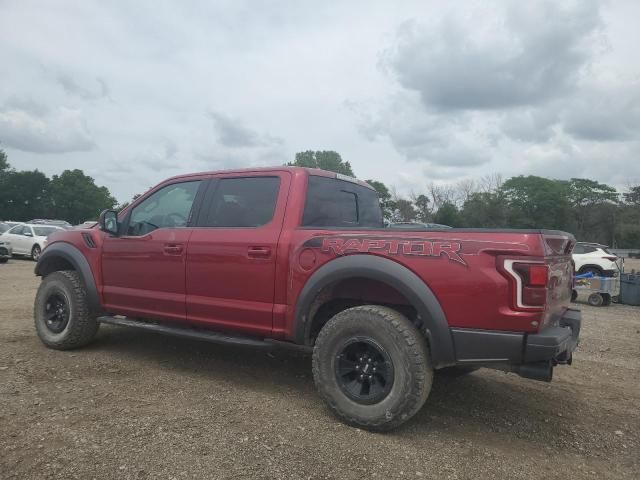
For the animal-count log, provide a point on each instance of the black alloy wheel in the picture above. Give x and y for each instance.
(56, 312)
(364, 371)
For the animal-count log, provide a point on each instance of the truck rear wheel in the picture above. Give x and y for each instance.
(372, 367)
(61, 312)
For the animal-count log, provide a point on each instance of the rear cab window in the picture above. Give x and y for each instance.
(243, 202)
(336, 203)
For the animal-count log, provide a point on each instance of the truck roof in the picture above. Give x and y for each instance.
(308, 171)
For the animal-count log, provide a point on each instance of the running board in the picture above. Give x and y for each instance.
(201, 334)
(186, 332)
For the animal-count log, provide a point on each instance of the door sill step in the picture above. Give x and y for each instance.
(187, 332)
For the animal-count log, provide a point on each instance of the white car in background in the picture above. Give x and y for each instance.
(597, 259)
(29, 240)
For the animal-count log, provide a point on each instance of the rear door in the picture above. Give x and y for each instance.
(231, 258)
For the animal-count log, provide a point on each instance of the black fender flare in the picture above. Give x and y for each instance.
(393, 274)
(51, 256)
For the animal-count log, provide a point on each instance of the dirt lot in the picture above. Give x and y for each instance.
(632, 264)
(139, 405)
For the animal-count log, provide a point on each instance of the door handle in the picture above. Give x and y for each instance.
(173, 249)
(260, 252)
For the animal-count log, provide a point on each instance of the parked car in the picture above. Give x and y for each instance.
(418, 226)
(5, 250)
(87, 224)
(299, 257)
(59, 223)
(597, 259)
(29, 240)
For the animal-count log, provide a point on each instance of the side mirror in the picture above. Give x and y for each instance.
(109, 222)
(27, 234)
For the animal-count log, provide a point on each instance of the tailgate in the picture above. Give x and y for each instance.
(557, 248)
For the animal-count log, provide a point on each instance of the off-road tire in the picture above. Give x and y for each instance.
(35, 252)
(457, 371)
(82, 325)
(407, 349)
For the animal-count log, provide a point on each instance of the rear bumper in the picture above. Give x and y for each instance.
(529, 355)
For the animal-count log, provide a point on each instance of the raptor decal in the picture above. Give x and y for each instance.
(341, 245)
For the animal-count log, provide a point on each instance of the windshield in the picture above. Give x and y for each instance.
(4, 227)
(45, 231)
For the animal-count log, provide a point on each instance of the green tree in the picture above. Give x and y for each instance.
(404, 212)
(627, 232)
(423, 209)
(593, 208)
(76, 198)
(448, 214)
(386, 200)
(536, 202)
(484, 210)
(323, 159)
(4, 163)
(632, 197)
(23, 195)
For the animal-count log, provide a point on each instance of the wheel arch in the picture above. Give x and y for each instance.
(64, 256)
(392, 274)
(590, 265)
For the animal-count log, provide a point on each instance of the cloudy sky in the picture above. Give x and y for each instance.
(408, 92)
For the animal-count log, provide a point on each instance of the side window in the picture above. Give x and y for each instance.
(243, 202)
(17, 230)
(588, 249)
(338, 203)
(169, 207)
(578, 249)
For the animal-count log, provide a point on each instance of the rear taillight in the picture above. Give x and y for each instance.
(530, 283)
(611, 259)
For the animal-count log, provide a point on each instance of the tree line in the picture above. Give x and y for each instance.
(590, 210)
(71, 196)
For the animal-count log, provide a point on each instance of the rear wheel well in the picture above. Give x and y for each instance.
(352, 292)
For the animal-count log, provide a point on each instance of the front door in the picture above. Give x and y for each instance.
(143, 269)
(231, 259)
(18, 239)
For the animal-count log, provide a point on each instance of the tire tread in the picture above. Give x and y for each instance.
(83, 325)
(416, 347)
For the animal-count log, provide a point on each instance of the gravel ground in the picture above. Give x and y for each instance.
(139, 405)
(632, 265)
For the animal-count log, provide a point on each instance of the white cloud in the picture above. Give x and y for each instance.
(57, 131)
(133, 93)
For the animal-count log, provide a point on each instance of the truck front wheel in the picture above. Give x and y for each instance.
(372, 367)
(61, 312)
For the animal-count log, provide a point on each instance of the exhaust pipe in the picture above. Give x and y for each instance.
(542, 371)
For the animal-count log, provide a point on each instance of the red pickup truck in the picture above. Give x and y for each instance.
(300, 257)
